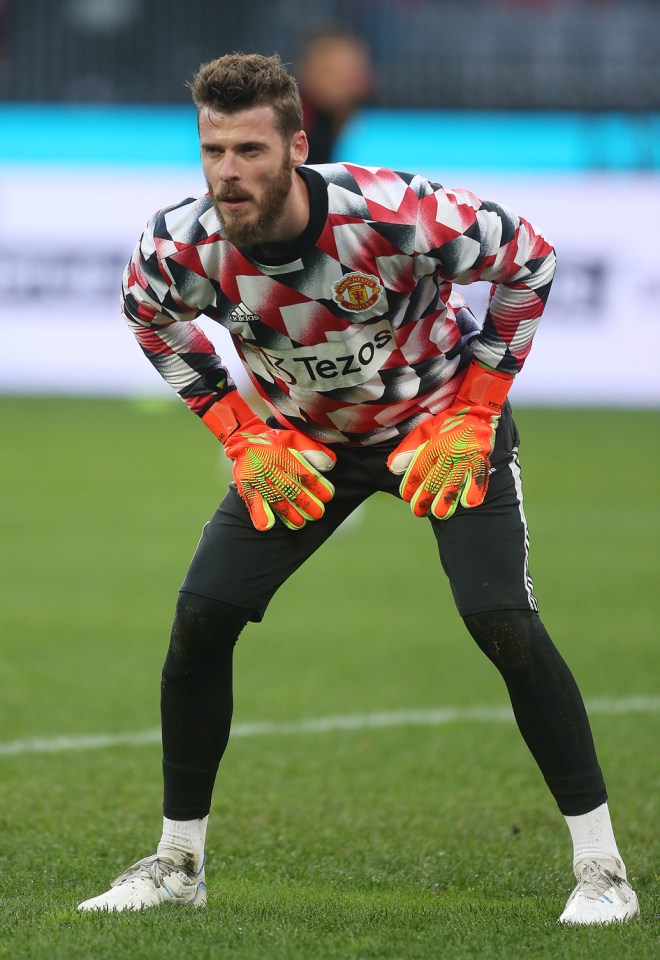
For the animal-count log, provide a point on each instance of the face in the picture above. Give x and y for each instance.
(337, 74)
(248, 167)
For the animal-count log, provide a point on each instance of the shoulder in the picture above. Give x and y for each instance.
(374, 193)
(188, 222)
(359, 178)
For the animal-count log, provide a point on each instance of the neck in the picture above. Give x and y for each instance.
(292, 222)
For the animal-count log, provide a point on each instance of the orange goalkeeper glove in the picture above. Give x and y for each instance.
(276, 470)
(445, 460)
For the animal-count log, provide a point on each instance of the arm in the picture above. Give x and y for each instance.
(445, 460)
(163, 325)
(275, 470)
(466, 239)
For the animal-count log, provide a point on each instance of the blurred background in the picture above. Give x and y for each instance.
(549, 106)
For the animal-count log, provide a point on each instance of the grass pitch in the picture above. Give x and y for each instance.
(401, 841)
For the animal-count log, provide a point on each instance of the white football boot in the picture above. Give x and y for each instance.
(152, 882)
(602, 894)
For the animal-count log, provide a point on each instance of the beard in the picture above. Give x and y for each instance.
(243, 229)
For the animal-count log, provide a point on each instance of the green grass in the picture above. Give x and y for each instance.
(401, 842)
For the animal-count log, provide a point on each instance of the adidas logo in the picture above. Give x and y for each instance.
(241, 314)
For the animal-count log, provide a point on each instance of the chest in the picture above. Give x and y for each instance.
(322, 295)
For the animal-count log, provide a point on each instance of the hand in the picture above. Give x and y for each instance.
(446, 459)
(277, 471)
(275, 474)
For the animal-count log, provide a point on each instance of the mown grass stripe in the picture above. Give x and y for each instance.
(314, 725)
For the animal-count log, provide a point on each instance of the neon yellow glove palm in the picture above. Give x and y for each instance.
(277, 471)
(446, 459)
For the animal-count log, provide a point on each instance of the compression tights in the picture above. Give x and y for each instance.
(546, 703)
(197, 703)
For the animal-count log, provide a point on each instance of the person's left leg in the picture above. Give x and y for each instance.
(546, 703)
(484, 552)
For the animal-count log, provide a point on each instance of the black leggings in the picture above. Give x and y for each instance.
(546, 703)
(197, 703)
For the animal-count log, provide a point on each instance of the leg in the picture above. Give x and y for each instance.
(196, 709)
(546, 703)
(197, 701)
(553, 722)
(484, 552)
(235, 572)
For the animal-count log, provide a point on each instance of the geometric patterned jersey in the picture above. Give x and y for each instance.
(357, 334)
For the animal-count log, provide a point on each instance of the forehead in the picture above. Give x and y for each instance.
(253, 123)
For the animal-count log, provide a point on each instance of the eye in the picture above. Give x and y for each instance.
(252, 149)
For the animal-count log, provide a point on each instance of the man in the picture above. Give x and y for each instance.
(336, 286)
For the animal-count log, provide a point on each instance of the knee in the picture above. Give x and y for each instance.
(512, 639)
(203, 626)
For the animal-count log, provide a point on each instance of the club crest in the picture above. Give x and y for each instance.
(356, 291)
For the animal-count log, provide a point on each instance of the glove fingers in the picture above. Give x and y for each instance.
(468, 489)
(309, 506)
(436, 482)
(294, 505)
(278, 505)
(260, 512)
(316, 454)
(474, 490)
(311, 480)
(439, 497)
(445, 503)
(416, 473)
(264, 499)
(421, 502)
(322, 460)
(429, 478)
(290, 516)
(398, 463)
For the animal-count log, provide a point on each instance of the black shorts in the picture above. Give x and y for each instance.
(483, 549)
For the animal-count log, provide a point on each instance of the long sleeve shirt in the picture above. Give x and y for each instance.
(358, 333)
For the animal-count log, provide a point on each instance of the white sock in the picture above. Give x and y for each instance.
(186, 838)
(593, 837)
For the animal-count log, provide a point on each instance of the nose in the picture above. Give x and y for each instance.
(229, 168)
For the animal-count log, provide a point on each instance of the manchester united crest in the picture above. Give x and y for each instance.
(356, 291)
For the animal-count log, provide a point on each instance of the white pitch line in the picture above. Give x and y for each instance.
(313, 725)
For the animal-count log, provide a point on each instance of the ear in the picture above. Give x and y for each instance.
(299, 148)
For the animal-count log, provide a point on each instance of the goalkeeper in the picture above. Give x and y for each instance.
(338, 285)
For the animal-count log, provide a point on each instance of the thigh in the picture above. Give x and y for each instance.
(484, 550)
(236, 564)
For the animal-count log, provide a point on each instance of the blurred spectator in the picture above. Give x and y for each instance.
(336, 77)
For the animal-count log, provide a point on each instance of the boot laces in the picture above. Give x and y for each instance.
(154, 867)
(595, 880)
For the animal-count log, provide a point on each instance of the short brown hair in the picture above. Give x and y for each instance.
(238, 81)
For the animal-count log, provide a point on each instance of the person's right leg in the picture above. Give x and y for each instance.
(233, 575)
(197, 701)
(196, 710)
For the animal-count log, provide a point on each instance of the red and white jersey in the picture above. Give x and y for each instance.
(356, 336)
